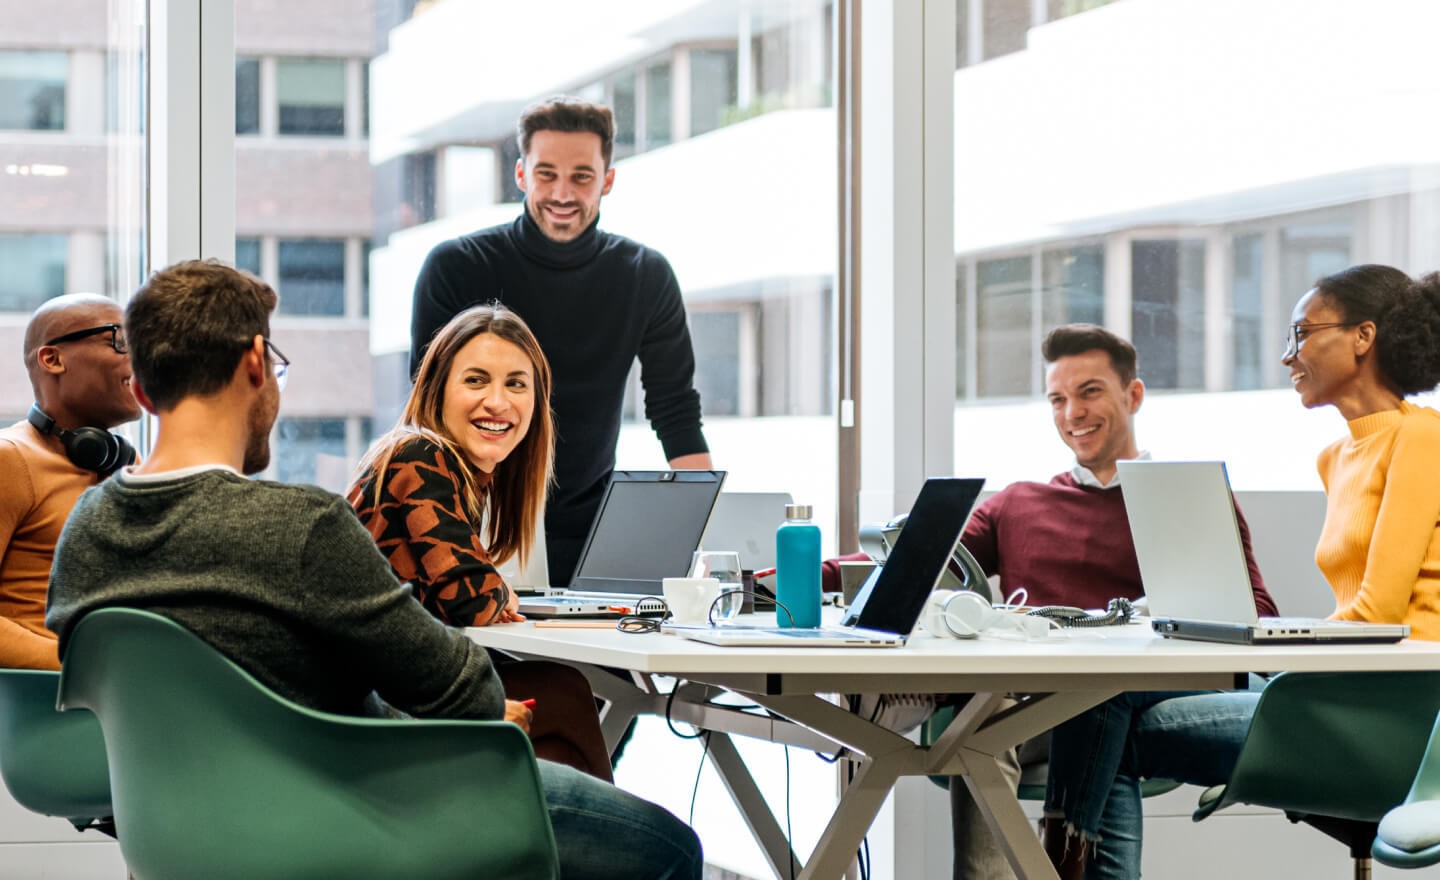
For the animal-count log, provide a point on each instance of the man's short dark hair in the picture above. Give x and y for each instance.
(1073, 339)
(564, 113)
(189, 325)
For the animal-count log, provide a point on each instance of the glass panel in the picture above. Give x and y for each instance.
(717, 360)
(312, 277)
(32, 90)
(247, 255)
(623, 103)
(712, 88)
(657, 106)
(304, 444)
(1247, 339)
(1072, 286)
(1167, 314)
(311, 96)
(1006, 346)
(34, 271)
(1006, 24)
(247, 96)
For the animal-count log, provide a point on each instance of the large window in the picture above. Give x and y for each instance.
(311, 95)
(34, 270)
(32, 90)
(247, 96)
(312, 277)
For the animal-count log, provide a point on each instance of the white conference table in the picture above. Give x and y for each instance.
(1055, 678)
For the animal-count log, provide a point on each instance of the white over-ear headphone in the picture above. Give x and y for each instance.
(965, 614)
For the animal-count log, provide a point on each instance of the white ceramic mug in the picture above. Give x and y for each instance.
(690, 598)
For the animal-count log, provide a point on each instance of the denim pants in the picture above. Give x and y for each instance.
(1098, 759)
(604, 833)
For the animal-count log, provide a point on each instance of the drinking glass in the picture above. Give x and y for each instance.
(724, 566)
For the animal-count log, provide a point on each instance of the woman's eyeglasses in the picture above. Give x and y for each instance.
(1299, 332)
(116, 342)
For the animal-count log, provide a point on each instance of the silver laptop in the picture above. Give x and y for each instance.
(888, 606)
(646, 529)
(745, 522)
(1192, 562)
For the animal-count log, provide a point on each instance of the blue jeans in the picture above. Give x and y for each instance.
(1098, 758)
(604, 833)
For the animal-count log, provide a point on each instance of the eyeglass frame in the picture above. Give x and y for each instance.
(278, 362)
(117, 342)
(1293, 342)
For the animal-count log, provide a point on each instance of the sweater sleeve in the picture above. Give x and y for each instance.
(1405, 527)
(414, 662)
(981, 536)
(422, 528)
(1264, 602)
(20, 647)
(667, 371)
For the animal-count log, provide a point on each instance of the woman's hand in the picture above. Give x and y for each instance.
(511, 612)
(519, 714)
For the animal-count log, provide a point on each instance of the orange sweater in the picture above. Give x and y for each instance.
(38, 488)
(1380, 547)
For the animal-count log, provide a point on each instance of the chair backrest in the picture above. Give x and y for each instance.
(1342, 744)
(52, 763)
(214, 775)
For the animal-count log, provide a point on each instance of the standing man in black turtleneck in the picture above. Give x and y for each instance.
(595, 300)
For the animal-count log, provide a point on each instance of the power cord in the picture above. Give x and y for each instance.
(695, 789)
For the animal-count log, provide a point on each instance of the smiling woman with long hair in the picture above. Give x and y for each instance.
(456, 489)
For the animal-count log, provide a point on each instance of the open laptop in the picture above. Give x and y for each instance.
(1192, 562)
(646, 529)
(888, 606)
(746, 522)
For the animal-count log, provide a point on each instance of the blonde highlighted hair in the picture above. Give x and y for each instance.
(517, 492)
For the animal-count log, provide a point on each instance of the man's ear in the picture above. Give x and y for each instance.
(520, 174)
(1135, 394)
(49, 360)
(609, 180)
(142, 397)
(255, 362)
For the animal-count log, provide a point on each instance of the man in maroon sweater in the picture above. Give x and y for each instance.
(1067, 542)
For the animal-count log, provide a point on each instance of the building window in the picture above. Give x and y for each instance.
(716, 337)
(32, 90)
(1167, 284)
(713, 88)
(1072, 286)
(622, 101)
(312, 277)
(34, 270)
(247, 255)
(247, 96)
(1006, 349)
(311, 95)
(303, 447)
(657, 106)
(1247, 314)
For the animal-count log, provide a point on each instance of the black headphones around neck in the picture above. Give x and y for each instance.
(90, 448)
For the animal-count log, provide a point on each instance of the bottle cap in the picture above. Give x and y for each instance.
(797, 511)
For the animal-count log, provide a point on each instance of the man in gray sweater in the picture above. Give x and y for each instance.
(283, 579)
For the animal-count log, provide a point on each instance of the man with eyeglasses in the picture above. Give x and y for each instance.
(79, 371)
(283, 579)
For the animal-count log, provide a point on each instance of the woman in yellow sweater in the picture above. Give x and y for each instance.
(1362, 340)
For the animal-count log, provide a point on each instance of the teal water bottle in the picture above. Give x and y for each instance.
(797, 568)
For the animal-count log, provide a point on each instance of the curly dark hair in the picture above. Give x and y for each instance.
(1406, 313)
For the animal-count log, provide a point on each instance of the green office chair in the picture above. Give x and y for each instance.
(1409, 835)
(1333, 750)
(53, 764)
(213, 775)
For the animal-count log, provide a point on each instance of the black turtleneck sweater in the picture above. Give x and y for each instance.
(595, 304)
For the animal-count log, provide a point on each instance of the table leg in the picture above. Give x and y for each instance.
(752, 805)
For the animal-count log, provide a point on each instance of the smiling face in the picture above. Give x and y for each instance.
(1325, 363)
(94, 379)
(489, 399)
(563, 177)
(1093, 410)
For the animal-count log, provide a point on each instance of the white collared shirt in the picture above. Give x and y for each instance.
(1086, 477)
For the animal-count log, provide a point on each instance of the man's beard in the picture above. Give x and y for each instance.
(257, 447)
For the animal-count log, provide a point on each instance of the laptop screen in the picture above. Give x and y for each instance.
(892, 599)
(647, 528)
